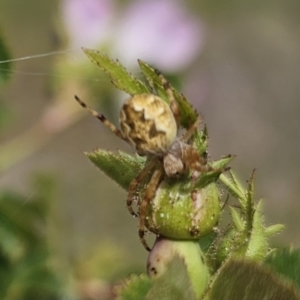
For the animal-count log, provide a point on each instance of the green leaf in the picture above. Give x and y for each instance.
(153, 80)
(32, 276)
(273, 229)
(206, 241)
(236, 219)
(206, 178)
(136, 287)
(226, 244)
(222, 163)
(249, 205)
(174, 284)
(4, 56)
(234, 188)
(258, 245)
(200, 140)
(117, 73)
(286, 262)
(248, 281)
(11, 245)
(188, 114)
(24, 270)
(247, 238)
(23, 224)
(121, 167)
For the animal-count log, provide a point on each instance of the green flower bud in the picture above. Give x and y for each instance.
(180, 212)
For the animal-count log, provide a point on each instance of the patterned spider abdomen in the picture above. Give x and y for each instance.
(148, 123)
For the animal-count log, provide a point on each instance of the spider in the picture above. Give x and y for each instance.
(151, 127)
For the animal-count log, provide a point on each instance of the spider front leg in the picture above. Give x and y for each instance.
(188, 134)
(135, 182)
(193, 160)
(149, 195)
(102, 118)
(191, 157)
(173, 104)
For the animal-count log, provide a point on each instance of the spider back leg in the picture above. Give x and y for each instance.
(149, 195)
(102, 118)
(173, 104)
(135, 182)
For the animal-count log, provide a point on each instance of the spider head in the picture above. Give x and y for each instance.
(173, 165)
(182, 157)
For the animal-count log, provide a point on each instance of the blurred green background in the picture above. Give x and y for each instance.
(244, 81)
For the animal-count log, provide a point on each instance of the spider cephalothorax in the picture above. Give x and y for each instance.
(150, 126)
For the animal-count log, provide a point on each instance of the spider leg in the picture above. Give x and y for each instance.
(102, 118)
(149, 195)
(173, 104)
(134, 183)
(194, 160)
(188, 134)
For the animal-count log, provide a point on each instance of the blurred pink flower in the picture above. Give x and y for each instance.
(88, 22)
(161, 32)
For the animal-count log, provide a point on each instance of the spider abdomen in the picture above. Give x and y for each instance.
(148, 123)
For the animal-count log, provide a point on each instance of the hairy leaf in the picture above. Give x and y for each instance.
(273, 229)
(121, 167)
(206, 178)
(236, 219)
(234, 187)
(117, 73)
(258, 244)
(249, 280)
(136, 287)
(286, 262)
